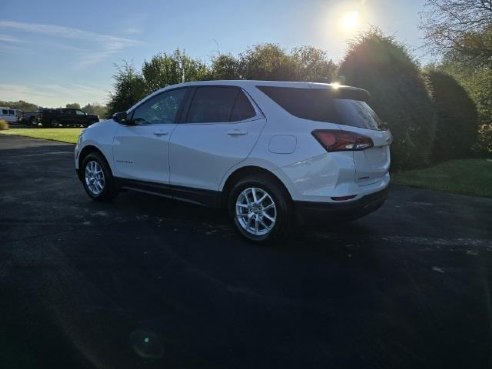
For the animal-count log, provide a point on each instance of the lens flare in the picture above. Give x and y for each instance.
(349, 21)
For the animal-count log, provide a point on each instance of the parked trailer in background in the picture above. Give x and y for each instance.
(9, 115)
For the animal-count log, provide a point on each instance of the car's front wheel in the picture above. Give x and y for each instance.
(260, 209)
(97, 178)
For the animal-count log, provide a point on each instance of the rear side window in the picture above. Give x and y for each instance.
(219, 104)
(242, 108)
(304, 103)
(319, 105)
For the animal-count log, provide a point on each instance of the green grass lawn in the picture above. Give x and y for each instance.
(465, 176)
(69, 135)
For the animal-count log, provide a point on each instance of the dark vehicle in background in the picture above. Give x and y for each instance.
(64, 117)
(28, 117)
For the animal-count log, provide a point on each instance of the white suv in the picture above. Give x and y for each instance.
(272, 153)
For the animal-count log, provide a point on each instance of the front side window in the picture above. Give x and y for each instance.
(79, 112)
(160, 109)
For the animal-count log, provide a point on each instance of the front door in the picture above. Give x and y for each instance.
(140, 149)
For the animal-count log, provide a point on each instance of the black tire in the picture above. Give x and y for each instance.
(97, 178)
(253, 219)
(54, 123)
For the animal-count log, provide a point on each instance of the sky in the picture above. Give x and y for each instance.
(54, 52)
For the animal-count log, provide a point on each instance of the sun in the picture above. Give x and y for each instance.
(349, 21)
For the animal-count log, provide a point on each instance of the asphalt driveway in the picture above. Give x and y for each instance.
(146, 282)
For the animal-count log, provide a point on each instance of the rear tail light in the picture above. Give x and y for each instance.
(333, 140)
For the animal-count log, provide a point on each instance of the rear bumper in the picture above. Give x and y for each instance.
(316, 213)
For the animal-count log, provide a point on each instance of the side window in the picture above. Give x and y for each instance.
(79, 112)
(305, 103)
(242, 108)
(11, 112)
(212, 104)
(160, 109)
(5, 112)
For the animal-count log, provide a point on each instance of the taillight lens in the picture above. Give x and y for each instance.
(333, 140)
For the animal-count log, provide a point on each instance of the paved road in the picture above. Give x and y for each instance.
(149, 283)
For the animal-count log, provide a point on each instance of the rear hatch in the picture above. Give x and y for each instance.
(372, 163)
(360, 129)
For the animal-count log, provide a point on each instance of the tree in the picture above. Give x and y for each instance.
(267, 62)
(73, 106)
(97, 109)
(477, 81)
(270, 62)
(225, 67)
(168, 69)
(22, 105)
(313, 65)
(464, 26)
(160, 71)
(129, 88)
(380, 65)
(456, 129)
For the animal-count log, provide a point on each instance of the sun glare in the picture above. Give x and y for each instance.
(349, 21)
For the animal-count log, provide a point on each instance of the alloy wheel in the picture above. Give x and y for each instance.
(256, 211)
(94, 178)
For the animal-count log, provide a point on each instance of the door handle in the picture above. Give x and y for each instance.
(161, 133)
(237, 132)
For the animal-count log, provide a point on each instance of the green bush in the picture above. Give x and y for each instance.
(3, 125)
(456, 129)
(483, 146)
(399, 93)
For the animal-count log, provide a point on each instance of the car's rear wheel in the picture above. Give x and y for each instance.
(260, 209)
(97, 178)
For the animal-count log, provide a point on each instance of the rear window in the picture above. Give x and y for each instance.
(320, 105)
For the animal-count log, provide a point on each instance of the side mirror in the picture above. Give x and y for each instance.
(120, 117)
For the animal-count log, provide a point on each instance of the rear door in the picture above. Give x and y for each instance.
(219, 130)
